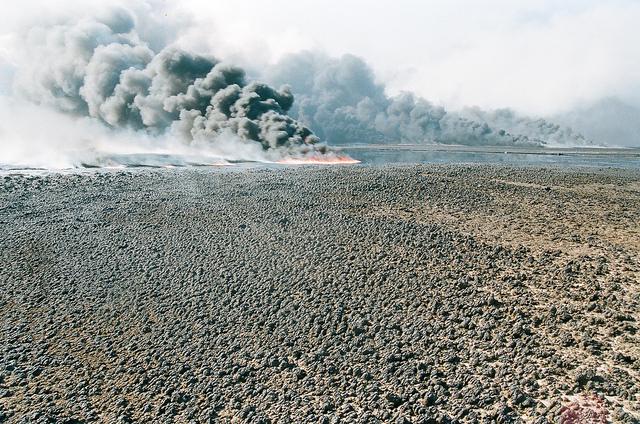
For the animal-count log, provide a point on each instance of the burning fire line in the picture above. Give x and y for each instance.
(319, 160)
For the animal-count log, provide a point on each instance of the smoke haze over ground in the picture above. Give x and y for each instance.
(608, 121)
(78, 81)
(341, 101)
(102, 74)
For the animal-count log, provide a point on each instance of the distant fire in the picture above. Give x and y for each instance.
(319, 160)
(221, 163)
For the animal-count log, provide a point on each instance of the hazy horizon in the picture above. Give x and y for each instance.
(457, 72)
(457, 53)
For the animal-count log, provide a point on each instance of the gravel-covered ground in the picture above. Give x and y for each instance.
(358, 294)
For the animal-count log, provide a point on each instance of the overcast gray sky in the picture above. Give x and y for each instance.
(539, 56)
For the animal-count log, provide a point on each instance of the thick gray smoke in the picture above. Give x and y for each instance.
(340, 100)
(104, 68)
(609, 121)
(119, 84)
(539, 131)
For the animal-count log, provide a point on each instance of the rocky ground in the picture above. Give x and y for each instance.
(422, 294)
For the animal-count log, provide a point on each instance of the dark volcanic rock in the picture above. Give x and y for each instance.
(413, 294)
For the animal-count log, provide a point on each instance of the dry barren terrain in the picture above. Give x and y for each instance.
(422, 294)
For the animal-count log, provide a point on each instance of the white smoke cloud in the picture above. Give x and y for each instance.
(542, 65)
(62, 141)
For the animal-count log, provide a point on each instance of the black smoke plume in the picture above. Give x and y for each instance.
(106, 69)
(123, 71)
(340, 100)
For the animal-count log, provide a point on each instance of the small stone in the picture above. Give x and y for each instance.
(394, 399)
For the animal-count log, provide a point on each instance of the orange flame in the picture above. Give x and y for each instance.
(319, 160)
(221, 164)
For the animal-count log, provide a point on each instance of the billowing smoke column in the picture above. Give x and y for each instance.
(538, 131)
(340, 100)
(103, 68)
(133, 91)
